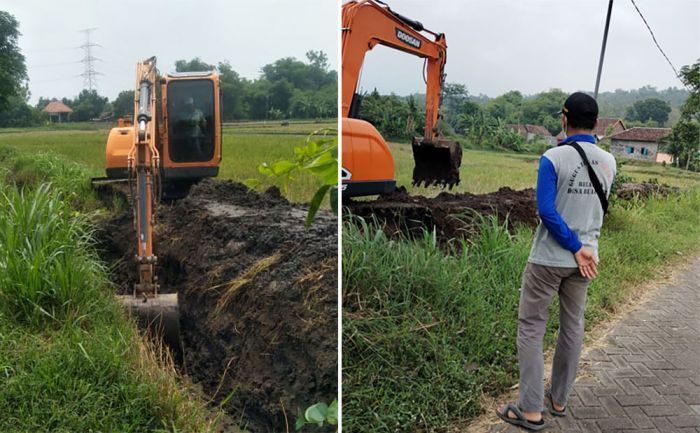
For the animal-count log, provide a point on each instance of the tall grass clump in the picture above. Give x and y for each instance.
(49, 269)
(428, 329)
(425, 333)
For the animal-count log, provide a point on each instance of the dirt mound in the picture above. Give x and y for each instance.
(630, 191)
(258, 297)
(450, 215)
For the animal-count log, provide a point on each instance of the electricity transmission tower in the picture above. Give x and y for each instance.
(89, 73)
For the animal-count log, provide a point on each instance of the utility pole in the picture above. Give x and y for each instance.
(89, 73)
(602, 49)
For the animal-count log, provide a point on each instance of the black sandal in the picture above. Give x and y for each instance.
(553, 411)
(520, 421)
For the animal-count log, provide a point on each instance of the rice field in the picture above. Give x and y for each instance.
(245, 146)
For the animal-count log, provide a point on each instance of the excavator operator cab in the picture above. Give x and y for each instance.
(188, 132)
(191, 144)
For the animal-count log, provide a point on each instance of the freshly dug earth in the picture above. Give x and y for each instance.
(257, 294)
(455, 216)
(630, 191)
(450, 215)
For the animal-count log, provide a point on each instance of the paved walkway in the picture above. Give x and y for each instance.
(646, 378)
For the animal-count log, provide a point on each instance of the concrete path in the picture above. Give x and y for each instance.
(646, 377)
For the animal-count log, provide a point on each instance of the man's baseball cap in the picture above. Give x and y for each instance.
(580, 106)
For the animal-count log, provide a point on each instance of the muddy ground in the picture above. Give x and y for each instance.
(456, 216)
(451, 215)
(257, 294)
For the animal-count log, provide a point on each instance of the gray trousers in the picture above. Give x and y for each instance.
(540, 284)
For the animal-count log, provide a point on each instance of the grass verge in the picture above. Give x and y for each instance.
(426, 332)
(70, 360)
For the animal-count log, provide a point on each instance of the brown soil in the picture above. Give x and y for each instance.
(630, 191)
(455, 216)
(257, 294)
(450, 215)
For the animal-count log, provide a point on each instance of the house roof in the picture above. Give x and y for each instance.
(604, 123)
(57, 107)
(532, 129)
(652, 135)
(601, 126)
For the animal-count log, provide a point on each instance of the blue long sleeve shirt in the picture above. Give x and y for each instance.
(546, 199)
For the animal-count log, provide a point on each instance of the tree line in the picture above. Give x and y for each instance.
(287, 88)
(482, 122)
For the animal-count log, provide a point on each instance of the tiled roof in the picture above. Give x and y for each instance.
(532, 129)
(57, 107)
(601, 126)
(652, 135)
(539, 130)
(604, 123)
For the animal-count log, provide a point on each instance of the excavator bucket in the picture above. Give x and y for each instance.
(436, 162)
(160, 316)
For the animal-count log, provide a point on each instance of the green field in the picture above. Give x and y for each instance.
(487, 171)
(245, 146)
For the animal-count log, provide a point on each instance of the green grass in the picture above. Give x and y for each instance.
(300, 127)
(643, 171)
(245, 146)
(486, 171)
(243, 154)
(70, 360)
(426, 332)
(84, 147)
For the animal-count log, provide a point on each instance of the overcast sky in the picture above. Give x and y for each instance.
(494, 45)
(499, 45)
(249, 34)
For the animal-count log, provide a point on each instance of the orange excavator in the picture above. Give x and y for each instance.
(174, 141)
(368, 165)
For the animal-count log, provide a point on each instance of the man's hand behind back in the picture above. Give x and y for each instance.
(586, 263)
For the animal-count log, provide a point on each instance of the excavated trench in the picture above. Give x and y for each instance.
(257, 294)
(457, 216)
(451, 216)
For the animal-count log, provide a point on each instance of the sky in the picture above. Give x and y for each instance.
(249, 34)
(499, 45)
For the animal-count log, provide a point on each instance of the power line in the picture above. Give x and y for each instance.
(46, 65)
(90, 74)
(57, 79)
(657, 43)
(39, 50)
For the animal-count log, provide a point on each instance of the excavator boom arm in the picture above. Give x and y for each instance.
(144, 167)
(367, 23)
(382, 26)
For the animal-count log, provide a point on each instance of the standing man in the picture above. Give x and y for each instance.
(563, 260)
(195, 124)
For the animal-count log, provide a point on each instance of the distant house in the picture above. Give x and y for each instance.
(615, 123)
(56, 109)
(639, 143)
(530, 132)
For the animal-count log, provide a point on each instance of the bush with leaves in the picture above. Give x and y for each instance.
(317, 156)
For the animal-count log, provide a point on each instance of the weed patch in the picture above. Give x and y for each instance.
(428, 331)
